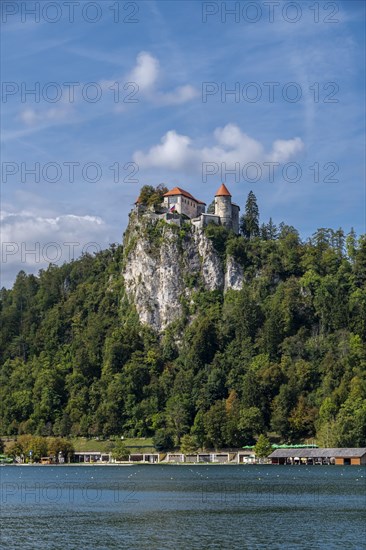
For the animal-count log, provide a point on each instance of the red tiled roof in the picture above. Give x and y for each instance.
(179, 191)
(222, 191)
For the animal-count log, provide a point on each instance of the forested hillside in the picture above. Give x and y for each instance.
(285, 355)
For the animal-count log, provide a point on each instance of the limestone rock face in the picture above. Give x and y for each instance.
(234, 275)
(165, 264)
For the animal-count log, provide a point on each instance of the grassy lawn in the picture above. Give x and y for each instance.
(133, 444)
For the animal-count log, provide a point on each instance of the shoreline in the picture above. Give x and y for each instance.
(87, 464)
(112, 464)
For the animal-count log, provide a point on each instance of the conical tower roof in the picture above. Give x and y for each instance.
(222, 191)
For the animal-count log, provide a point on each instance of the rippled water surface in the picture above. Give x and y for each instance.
(183, 507)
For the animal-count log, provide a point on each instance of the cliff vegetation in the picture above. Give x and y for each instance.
(192, 333)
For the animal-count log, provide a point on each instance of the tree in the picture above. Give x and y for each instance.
(265, 354)
(120, 451)
(188, 444)
(249, 223)
(2, 446)
(302, 419)
(163, 440)
(62, 425)
(271, 230)
(211, 208)
(281, 406)
(58, 447)
(152, 196)
(351, 245)
(215, 422)
(250, 423)
(233, 434)
(263, 447)
(268, 231)
(31, 447)
(198, 429)
(177, 414)
(360, 263)
(14, 449)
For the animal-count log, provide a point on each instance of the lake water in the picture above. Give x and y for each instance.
(183, 507)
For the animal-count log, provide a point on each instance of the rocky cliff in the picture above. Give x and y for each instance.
(164, 265)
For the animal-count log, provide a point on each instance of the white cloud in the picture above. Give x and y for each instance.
(182, 94)
(282, 149)
(30, 241)
(146, 71)
(176, 151)
(29, 117)
(146, 74)
(32, 117)
(173, 152)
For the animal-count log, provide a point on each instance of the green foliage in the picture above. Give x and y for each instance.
(57, 446)
(215, 424)
(163, 440)
(188, 444)
(263, 447)
(198, 429)
(219, 236)
(249, 223)
(237, 248)
(152, 196)
(32, 448)
(120, 451)
(287, 352)
(211, 208)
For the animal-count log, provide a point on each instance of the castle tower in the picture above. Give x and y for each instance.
(223, 206)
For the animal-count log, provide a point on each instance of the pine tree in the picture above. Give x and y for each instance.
(351, 245)
(263, 447)
(268, 231)
(271, 230)
(264, 232)
(249, 223)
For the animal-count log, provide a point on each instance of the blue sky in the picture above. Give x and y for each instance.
(171, 62)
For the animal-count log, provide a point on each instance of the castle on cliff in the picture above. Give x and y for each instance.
(178, 203)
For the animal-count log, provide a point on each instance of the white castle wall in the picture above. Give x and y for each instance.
(226, 213)
(184, 205)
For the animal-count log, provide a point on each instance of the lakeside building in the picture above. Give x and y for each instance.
(151, 458)
(338, 456)
(287, 456)
(90, 457)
